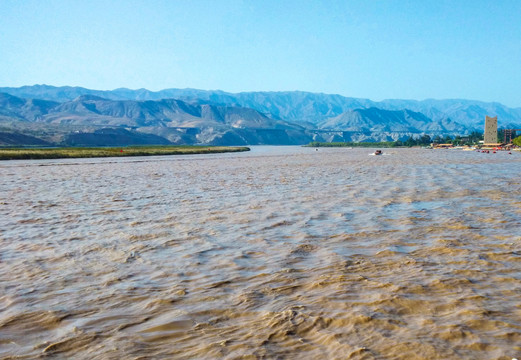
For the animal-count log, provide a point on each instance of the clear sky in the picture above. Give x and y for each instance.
(361, 48)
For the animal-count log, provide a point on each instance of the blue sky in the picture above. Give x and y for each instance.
(368, 49)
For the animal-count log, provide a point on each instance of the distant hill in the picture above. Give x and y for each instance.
(303, 108)
(379, 120)
(469, 113)
(90, 109)
(63, 115)
(90, 119)
(24, 109)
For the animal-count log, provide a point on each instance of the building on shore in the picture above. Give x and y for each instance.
(490, 137)
(442, 146)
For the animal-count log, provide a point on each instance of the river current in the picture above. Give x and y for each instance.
(278, 253)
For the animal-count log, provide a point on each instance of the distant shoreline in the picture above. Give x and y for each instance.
(384, 144)
(121, 151)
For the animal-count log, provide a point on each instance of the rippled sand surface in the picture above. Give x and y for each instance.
(279, 253)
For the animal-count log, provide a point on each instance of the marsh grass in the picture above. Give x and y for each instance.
(84, 152)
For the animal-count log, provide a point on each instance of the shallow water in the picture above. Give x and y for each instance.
(279, 253)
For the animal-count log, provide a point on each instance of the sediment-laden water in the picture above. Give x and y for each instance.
(279, 253)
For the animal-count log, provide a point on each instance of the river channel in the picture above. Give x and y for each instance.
(277, 253)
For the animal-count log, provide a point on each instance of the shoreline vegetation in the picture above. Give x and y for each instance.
(398, 144)
(92, 152)
(474, 139)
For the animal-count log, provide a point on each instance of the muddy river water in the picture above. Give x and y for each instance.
(278, 253)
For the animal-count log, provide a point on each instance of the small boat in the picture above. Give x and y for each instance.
(378, 152)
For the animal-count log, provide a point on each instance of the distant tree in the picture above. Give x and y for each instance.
(517, 141)
(457, 141)
(474, 138)
(437, 139)
(410, 142)
(424, 140)
(500, 135)
(503, 138)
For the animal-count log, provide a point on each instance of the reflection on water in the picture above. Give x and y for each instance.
(278, 253)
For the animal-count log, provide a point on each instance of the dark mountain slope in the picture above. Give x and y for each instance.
(17, 139)
(113, 137)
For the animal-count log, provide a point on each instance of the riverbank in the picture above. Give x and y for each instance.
(84, 152)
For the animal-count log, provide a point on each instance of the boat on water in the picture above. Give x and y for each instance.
(378, 152)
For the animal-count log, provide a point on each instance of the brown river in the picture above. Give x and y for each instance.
(278, 253)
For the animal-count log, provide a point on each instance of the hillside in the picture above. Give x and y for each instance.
(378, 120)
(90, 119)
(300, 107)
(75, 115)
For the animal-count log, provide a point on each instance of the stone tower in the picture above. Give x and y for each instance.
(490, 130)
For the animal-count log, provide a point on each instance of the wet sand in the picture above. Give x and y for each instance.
(278, 253)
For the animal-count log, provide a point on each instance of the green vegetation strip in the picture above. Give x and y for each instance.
(61, 153)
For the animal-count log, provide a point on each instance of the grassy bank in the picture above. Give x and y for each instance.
(84, 152)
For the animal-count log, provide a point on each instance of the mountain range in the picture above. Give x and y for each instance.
(80, 116)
